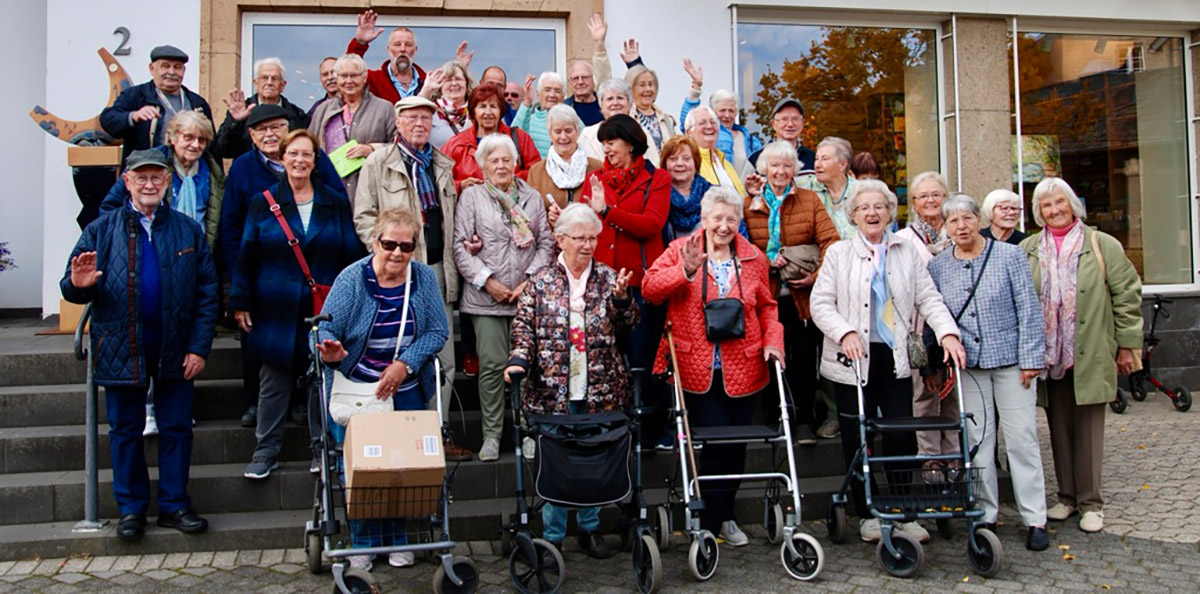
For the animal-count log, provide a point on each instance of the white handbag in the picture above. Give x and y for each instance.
(351, 398)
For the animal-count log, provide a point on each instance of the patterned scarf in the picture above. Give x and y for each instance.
(621, 180)
(1060, 271)
(650, 125)
(567, 174)
(521, 231)
(935, 240)
(420, 162)
(455, 116)
(882, 308)
(773, 242)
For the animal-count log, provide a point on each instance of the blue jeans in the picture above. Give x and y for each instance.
(555, 517)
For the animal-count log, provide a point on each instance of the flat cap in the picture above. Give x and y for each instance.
(262, 113)
(168, 52)
(785, 102)
(414, 101)
(146, 158)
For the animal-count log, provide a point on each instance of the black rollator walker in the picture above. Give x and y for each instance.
(1143, 380)
(323, 535)
(582, 460)
(801, 554)
(897, 494)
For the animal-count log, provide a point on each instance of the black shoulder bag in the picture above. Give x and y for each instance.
(724, 319)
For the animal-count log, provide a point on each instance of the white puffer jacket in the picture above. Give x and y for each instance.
(841, 301)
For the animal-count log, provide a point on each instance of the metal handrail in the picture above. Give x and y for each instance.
(91, 521)
(81, 350)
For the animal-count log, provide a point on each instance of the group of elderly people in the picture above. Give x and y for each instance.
(572, 245)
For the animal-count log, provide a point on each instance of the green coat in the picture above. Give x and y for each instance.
(1105, 318)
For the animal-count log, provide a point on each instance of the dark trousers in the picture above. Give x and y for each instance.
(710, 409)
(801, 339)
(641, 346)
(884, 395)
(251, 368)
(126, 407)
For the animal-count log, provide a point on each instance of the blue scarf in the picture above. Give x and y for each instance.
(685, 210)
(420, 162)
(773, 203)
(882, 312)
(191, 192)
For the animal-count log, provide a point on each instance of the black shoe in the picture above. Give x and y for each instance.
(250, 417)
(184, 520)
(593, 544)
(131, 527)
(805, 435)
(1038, 539)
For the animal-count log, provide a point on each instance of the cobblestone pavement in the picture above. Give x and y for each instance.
(1150, 545)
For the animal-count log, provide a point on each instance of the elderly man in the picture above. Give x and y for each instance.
(495, 76)
(581, 79)
(149, 275)
(514, 95)
(140, 115)
(787, 122)
(233, 139)
(328, 78)
(411, 174)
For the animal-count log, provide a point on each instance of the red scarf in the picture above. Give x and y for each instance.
(621, 180)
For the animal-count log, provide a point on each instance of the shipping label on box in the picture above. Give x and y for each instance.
(394, 464)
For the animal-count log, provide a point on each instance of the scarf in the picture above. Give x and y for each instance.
(773, 242)
(935, 239)
(685, 210)
(883, 312)
(650, 124)
(455, 116)
(420, 162)
(577, 287)
(521, 231)
(1060, 271)
(567, 175)
(621, 180)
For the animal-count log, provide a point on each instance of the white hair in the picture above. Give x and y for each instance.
(577, 214)
(722, 194)
(276, 62)
(490, 143)
(721, 95)
(780, 149)
(992, 200)
(959, 203)
(691, 116)
(841, 148)
(545, 77)
(614, 85)
(921, 178)
(868, 186)
(563, 113)
(1049, 187)
(350, 60)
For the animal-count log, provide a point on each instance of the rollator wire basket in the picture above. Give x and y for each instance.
(582, 467)
(902, 491)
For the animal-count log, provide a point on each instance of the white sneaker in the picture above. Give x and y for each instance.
(868, 530)
(490, 452)
(1092, 521)
(151, 422)
(1060, 512)
(528, 448)
(914, 530)
(732, 535)
(401, 559)
(362, 562)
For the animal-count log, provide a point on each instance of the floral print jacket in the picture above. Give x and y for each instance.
(541, 341)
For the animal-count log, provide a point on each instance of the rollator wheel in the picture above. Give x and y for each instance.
(990, 557)
(1138, 386)
(1183, 399)
(312, 548)
(837, 523)
(661, 527)
(911, 555)
(945, 528)
(808, 560)
(506, 535)
(1120, 402)
(647, 565)
(358, 582)
(542, 575)
(704, 555)
(466, 571)
(775, 524)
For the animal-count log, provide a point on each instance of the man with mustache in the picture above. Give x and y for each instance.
(233, 139)
(141, 113)
(399, 77)
(328, 82)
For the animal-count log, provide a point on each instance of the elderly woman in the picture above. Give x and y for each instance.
(573, 364)
(1091, 299)
(832, 181)
(449, 87)
(986, 285)
(1000, 216)
(791, 226)
(680, 158)
(720, 380)
(657, 124)
(354, 115)
(702, 126)
(615, 97)
(285, 253)
(509, 218)
(487, 109)
(871, 288)
(532, 118)
(559, 177)
(387, 327)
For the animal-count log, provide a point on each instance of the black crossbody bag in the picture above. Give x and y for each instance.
(724, 319)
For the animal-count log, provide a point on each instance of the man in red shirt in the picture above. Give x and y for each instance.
(400, 76)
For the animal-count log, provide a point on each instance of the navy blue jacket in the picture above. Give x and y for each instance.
(115, 119)
(248, 177)
(189, 293)
(268, 281)
(233, 139)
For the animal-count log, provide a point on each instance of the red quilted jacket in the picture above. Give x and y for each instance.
(634, 224)
(744, 369)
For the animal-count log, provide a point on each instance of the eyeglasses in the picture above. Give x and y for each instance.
(306, 155)
(788, 120)
(406, 247)
(1008, 208)
(417, 117)
(584, 239)
(929, 196)
(871, 207)
(349, 75)
(153, 180)
(277, 128)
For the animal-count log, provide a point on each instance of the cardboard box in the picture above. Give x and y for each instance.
(394, 464)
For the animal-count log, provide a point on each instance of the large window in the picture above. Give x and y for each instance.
(1107, 113)
(519, 46)
(874, 86)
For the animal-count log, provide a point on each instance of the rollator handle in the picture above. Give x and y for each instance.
(317, 319)
(516, 376)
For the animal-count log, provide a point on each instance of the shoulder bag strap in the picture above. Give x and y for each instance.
(987, 256)
(292, 241)
(404, 310)
(1099, 258)
(646, 201)
(517, 141)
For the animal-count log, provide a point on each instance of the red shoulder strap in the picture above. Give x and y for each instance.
(292, 241)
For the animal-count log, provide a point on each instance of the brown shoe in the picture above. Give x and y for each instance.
(455, 452)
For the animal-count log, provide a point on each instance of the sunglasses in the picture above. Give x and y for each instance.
(406, 247)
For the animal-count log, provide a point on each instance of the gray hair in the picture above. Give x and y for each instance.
(723, 194)
(958, 204)
(614, 85)
(720, 95)
(921, 178)
(868, 186)
(545, 77)
(191, 119)
(841, 148)
(490, 143)
(690, 120)
(632, 75)
(1055, 185)
(448, 70)
(992, 200)
(276, 62)
(577, 214)
(350, 60)
(563, 113)
(780, 149)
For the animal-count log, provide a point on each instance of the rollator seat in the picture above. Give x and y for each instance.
(733, 432)
(899, 424)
